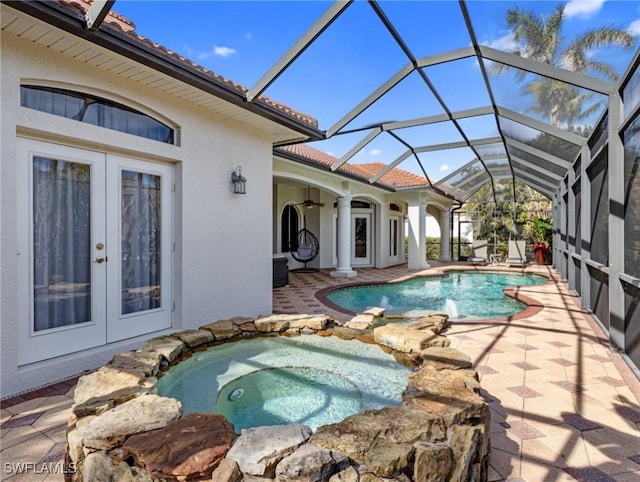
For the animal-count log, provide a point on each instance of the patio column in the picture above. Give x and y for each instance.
(417, 235)
(445, 235)
(343, 270)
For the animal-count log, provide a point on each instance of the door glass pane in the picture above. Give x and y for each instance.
(361, 237)
(140, 230)
(393, 233)
(61, 243)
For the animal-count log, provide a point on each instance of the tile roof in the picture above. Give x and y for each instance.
(116, 21)
(396, 178)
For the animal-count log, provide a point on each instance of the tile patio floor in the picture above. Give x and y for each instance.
(563, 408)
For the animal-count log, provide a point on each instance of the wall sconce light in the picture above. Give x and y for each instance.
(239, 181)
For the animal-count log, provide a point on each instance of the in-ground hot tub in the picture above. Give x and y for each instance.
(121, 428)
(309, 379)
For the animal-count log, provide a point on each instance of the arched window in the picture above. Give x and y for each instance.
(289, 227)
(94, 110)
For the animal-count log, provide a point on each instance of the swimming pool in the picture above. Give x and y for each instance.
(308, 379)
(461, 294)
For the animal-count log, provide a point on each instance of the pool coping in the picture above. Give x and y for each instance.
(533, 306)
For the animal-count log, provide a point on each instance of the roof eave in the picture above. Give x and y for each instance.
(132, 48)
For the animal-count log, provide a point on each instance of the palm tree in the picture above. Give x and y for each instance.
(539, 38)
(563, 104)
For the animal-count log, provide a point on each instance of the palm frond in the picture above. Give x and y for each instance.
(577, 51)
(527, 30)
(603, 68)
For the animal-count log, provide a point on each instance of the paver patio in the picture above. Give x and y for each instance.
(563, 407)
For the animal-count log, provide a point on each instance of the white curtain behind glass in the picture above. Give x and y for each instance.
(61, 243)
(141, 206)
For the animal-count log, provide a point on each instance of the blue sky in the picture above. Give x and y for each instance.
(241, 40)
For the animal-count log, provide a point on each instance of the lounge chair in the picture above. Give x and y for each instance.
(516, 255)
(479, 255)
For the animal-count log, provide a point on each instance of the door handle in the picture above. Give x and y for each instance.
(101, 259)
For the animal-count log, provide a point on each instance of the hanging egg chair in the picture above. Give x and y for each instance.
(307, 247)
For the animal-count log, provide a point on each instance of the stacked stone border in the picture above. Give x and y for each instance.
(121, 429)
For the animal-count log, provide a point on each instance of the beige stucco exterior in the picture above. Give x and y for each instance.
(222, 242)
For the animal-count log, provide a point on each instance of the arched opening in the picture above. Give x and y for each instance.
(289, 226)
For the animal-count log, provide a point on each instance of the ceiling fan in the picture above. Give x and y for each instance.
(309, 203)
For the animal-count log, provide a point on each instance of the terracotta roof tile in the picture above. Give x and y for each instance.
(118, 22)
(112, 18)
(396, 178)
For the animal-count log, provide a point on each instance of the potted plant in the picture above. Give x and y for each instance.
(542, 229)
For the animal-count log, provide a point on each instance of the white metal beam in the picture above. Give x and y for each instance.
(469, 179)
(541, 126)
(444, 57)
(352, 152)
(533, 180)
(390, 166)
(463, 168)
(370, 99)
(298, 48)
(538, 153)
(537, 168)
(434, 119)
(441, 147)
(97, 13)
(549, 71)
(616, 227)
(485, 141)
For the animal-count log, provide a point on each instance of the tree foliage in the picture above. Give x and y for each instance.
(539, 37)
(506, 219)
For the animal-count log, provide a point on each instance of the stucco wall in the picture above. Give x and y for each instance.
(222, 261)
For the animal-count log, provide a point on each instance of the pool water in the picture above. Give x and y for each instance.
(273, 396)
(463, 295)
(307, 379)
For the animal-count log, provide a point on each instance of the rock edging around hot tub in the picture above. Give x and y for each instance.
(120, 429)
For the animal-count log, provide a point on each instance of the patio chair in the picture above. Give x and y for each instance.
(516, 255)
(308, 249)
(479, 255)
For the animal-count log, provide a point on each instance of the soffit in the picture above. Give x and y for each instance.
(40, 33)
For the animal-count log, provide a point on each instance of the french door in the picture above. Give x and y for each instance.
(395, 239)
(95, 236)
(361, 239)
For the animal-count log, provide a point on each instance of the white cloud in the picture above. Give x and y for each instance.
(443, 168)
(375, 152)
(216, 51)
(634, 28)
(506, 43)
(582, 8)
(223, 51)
